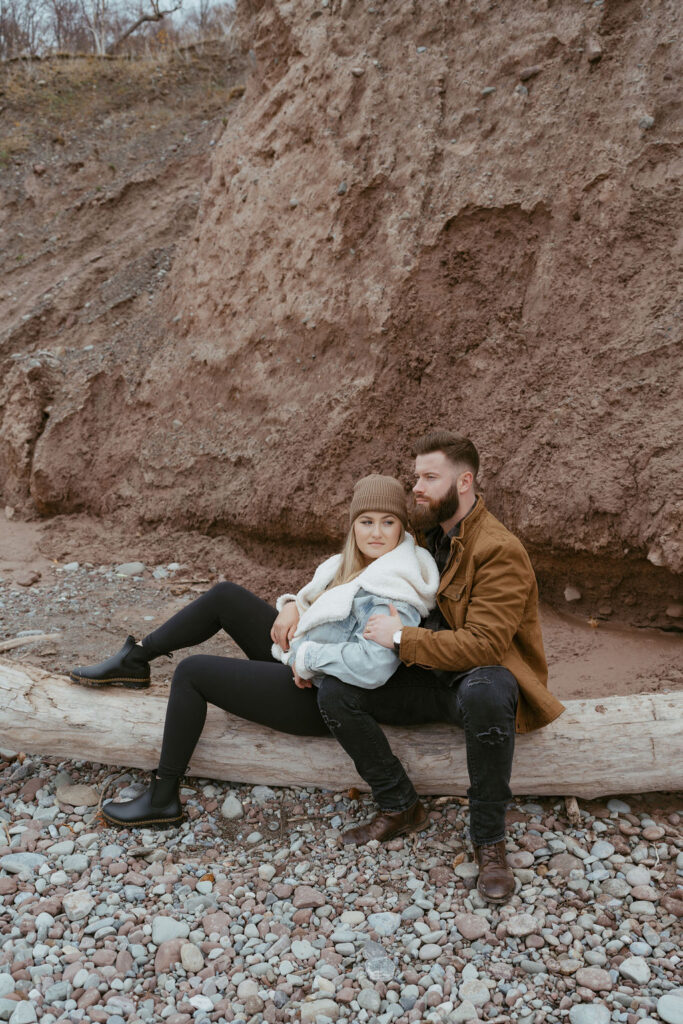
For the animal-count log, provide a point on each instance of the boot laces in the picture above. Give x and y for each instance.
(490, 855)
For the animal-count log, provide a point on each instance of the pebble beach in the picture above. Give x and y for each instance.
(252, 912)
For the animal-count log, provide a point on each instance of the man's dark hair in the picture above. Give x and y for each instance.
(455, 447)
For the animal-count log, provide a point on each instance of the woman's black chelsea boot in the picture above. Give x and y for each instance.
(129, 667)
(158, 805)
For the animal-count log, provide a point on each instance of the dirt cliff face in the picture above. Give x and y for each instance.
(419, 215)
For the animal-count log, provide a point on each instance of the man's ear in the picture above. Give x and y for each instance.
(465, 481)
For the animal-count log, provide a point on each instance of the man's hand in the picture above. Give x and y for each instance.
(303, 684)
(285, 625)
(381, 628)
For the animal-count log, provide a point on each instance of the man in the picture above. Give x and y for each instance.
(477, 661)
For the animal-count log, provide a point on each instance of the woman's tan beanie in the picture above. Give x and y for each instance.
(376, 493)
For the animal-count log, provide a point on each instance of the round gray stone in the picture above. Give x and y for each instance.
(77, 905)
(618, 806)
(369, 999)
(642, 908)
(380, 969)
(16, 862)
(24, 1014)
(602, 849)
(670, 1008)
(166, 928)
(589, 1013)
(635, 969)
(130, 568)
(232, 807)
(475, 992)
(262, 794)
(385, 923)
(465, 1011)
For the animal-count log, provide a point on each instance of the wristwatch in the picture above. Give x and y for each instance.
(397, 640)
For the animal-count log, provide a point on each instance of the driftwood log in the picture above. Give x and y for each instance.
(596, 748)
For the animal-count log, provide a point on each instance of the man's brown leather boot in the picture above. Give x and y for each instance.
(496, 880)
(386, 825)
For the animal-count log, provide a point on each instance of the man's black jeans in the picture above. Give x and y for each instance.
(483, 702)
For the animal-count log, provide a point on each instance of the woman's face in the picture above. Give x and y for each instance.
(376, 533)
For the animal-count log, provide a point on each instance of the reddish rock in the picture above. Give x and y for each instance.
(282, 890)
(594, 979)
(440, 875)
(531, 842)
(672, 905)
(51, 905)
(124, 962)
(306, 896)
(135, 878)
(103, 957)
(71, 970)
(302, 916)
(520, 859)
(565, 863)
(218, 922)
(330, 956)
(167, 955)
(31, 786)
(89, 998)
(644, 892)
(471, 926)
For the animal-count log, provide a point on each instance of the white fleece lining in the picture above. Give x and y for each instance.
(407, 573)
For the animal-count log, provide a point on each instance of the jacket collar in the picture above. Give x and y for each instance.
(471, 523)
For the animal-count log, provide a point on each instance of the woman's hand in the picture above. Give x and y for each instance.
(381, 628)
(285, 625)
(303, 684)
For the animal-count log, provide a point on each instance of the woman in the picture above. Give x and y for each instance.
(315, 633)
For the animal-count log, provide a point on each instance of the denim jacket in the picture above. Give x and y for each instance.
(329, 637)
(339, 648)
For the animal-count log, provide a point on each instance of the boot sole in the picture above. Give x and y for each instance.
(153, 822)
(128, 682)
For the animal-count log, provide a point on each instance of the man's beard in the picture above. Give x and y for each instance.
(426, 517)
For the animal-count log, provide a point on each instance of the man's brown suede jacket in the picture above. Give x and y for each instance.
(488, 594)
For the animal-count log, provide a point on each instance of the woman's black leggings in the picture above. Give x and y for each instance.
(261, 690)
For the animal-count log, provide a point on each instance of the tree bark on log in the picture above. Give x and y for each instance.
(596, 748)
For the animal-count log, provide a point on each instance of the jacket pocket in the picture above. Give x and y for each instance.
(453, 602)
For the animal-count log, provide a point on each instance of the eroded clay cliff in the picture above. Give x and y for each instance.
(418, 214)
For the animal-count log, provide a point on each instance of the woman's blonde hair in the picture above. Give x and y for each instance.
(352, 561)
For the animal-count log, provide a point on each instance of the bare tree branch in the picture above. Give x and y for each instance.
(156, 14)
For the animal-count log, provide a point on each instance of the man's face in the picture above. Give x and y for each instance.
(435, 493)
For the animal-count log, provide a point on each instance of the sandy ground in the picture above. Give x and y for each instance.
(93, 609)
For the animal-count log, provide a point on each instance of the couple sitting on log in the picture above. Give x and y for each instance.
(386, 632)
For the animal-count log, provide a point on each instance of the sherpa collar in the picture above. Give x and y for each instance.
(408, 573)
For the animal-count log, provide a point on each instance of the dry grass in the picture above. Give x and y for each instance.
(58, 94)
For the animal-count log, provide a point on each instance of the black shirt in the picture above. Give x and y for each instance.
(438, 544)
